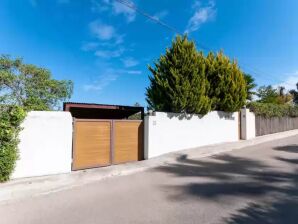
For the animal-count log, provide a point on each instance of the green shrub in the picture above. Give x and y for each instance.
(178, 82)
(10, 119)
(228, 87)
(273, 110)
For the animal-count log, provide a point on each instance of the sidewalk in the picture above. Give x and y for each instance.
(32, 187)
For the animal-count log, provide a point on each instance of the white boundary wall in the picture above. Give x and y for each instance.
(169, 132)
(248, 124)
(45, 144)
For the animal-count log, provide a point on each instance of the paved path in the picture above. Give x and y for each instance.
(257, 184)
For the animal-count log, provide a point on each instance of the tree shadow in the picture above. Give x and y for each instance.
(183, 116)
(288, 148)
(292, 161)
(226, 115)
(284, 212)
(225, 176)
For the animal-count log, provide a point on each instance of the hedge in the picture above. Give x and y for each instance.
(11, 118)
(273, 110)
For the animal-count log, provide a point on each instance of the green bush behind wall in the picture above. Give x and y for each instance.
(11, 118)
(273, 110)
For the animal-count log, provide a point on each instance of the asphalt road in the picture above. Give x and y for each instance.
(257, 184)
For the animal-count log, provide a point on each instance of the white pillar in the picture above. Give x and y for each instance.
(248, 124)
(146, 137)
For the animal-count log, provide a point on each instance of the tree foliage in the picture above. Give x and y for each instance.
(10, 120)
(23, 87)
(294, 93)
(268, 94)
(29, 86)
(228, 90)
(184, 80)
(250, 86)
(273, 109)
(178, 81)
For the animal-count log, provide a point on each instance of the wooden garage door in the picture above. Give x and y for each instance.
(128, 141)
(92, 144)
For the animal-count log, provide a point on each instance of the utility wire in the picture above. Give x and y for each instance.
(132, 6)
(156, 20)
(153, 18)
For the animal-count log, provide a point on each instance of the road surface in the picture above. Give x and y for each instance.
(257, 184)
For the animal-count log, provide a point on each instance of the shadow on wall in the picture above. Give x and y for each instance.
(185, 116)
(225, 115)
(225, 176)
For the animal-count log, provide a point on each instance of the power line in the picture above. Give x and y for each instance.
(132, 6)
(156, 20)
(153, 18)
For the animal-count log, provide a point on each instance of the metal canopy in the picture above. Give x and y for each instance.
(101, 111)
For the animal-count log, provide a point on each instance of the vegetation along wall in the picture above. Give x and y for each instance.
(272, 118)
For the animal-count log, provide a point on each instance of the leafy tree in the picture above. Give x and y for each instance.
(228, 90)
(268, 94)
(294, 94)
(178, 82)
(281, 90)
(250, 85)
(30, 87)
(283, 97)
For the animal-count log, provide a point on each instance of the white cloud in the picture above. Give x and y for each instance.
(99, 6)
(89, 46)
(119, 39)
(290, 81)
(102, 31)
(129, 62)
(103, 81)
(201, 15)
(161, 15)
(108, 75)
(134, 72)
(109, 53)
(116, 8)
(105, 32)
(119, 8)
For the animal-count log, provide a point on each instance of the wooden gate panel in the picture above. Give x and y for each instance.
(92, 144)
(128, 141)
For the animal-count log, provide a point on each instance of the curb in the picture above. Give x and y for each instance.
(31, 187)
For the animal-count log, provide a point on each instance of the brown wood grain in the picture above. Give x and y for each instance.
(128, 141)
(92, 144)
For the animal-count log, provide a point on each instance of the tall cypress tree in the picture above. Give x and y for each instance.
(178, 82)
(227, 83)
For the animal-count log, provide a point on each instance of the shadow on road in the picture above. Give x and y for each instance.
(288, 148)
(227, 176)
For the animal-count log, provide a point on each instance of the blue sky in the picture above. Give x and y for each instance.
(105, 47)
